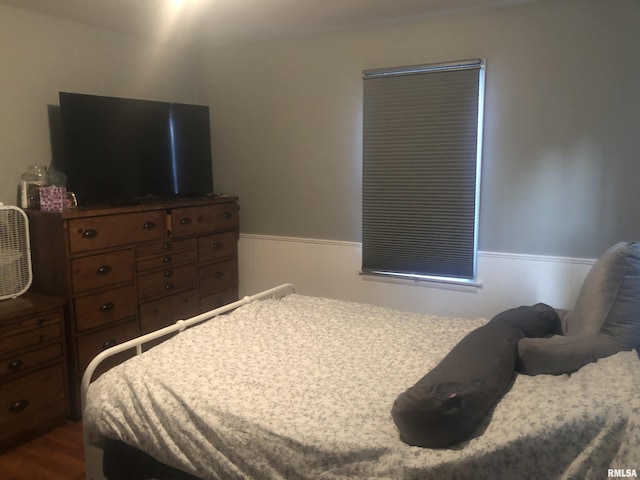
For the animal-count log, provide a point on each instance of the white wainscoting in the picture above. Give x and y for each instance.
(331, 269)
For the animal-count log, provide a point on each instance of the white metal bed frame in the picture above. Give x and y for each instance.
(92, 448)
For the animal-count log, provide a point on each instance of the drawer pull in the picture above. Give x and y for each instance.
(15, 365)
(167, 260)
(185, 221)
(90, 233)
(168, 273)
(149, 225)
(104, 270)
(217, 246)
(112, 342)
(107, 307)
(166, 246)
(227, 215)
(218, 275)
(19, 406)
(168, 286)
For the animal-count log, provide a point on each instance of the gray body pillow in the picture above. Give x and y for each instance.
(445, 406)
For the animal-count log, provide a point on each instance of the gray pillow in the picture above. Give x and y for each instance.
(559, 354)
(604, 321)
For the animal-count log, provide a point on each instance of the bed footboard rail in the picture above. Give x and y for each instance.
(138, 342)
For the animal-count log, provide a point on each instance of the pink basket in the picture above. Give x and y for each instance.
(52, 199)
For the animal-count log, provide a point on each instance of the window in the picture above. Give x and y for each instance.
(422, 143)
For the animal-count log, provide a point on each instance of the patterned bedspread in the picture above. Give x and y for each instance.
(302, 388)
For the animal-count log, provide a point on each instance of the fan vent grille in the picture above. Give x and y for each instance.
(15, 253)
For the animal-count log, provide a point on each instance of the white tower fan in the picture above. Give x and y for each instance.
(15, 252)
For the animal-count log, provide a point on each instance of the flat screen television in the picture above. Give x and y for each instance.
(128, 151)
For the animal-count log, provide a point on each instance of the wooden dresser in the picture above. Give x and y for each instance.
(129, 270)
(33, 381)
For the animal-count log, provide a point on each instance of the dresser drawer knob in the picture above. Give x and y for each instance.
(112, 342)
(149, 225)
(218, 275)
(185, 221)
(168, 286)
(19, 406)
(90, 233)
(168, 273)
(166, 246)
(104, 270)
(15, 365)
(167, 260)
(107, 307)
(227, 215)
(217, 246)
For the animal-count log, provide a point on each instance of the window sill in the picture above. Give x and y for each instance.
(445, 283)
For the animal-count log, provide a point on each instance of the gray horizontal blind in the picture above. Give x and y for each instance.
(420, 167)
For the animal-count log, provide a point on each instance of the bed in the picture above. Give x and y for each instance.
(286, 386)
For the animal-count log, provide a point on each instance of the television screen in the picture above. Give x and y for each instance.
(119, 150)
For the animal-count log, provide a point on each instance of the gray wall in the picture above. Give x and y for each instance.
(560, 172)
(41, 55)
(561, 153)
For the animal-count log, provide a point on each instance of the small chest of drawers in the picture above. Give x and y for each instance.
(33, 383)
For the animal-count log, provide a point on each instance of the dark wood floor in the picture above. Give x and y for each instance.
(57, 455)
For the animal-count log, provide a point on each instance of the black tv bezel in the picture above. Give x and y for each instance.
(70, 162)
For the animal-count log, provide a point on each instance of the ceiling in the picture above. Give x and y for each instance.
(225, 21)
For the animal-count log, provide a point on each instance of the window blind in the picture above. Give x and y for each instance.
(421, 166)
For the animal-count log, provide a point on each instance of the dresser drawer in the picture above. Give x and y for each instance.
(12, 365)
(31, 401)
(194, 220)
(167, 260)
(217, 247)
(93, 233)
(91, 345)
(32, 332)
(105, 307)
(167, 310)
(218, 276)
(166, 281)
(218, 299)
(166, 248)
(102, 270)
(155, 315)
